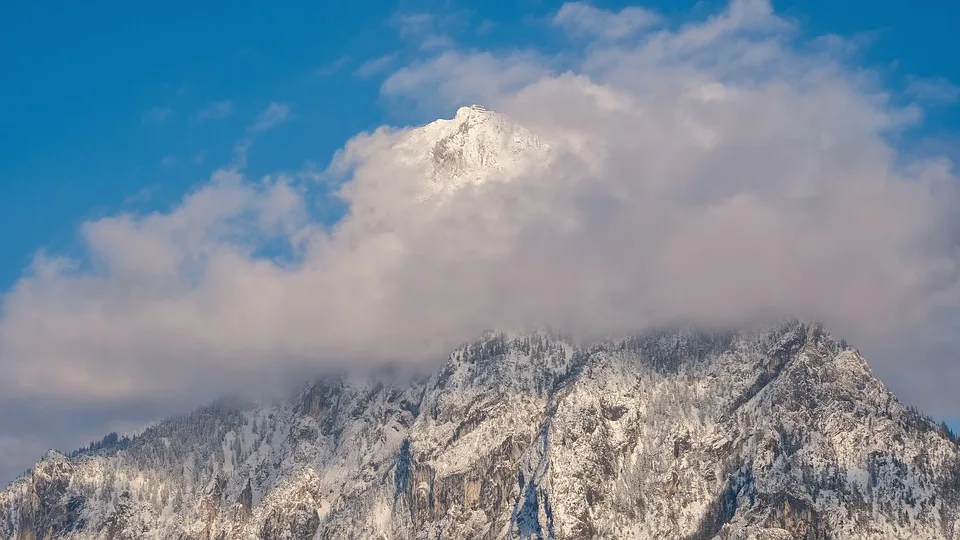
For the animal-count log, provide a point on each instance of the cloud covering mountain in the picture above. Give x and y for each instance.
(717, 171)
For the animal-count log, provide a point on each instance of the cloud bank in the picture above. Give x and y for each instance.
(719, 171)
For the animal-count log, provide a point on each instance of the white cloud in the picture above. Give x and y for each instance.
(217, 110)
(274, 114)
(582, 19)
(717, 172)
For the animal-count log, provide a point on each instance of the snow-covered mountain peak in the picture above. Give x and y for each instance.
(476, 146)
(474, 113)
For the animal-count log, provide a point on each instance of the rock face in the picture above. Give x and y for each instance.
(774, 434)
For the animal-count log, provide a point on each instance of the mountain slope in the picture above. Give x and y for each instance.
(780, 433)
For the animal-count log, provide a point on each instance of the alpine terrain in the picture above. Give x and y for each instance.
(778, 432)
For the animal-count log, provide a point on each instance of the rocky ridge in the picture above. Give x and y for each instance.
(779, 433)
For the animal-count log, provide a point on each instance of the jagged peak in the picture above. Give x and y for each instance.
(476, 146)
(53, 455)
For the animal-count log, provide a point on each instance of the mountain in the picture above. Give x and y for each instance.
(778, 433)
(476, 146)
(761, 434)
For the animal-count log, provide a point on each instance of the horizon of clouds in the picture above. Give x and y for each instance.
(719, 171)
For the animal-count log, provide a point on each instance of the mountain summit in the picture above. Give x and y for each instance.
(780, 433)
(476, 146)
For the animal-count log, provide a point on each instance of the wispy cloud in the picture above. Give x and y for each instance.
(412, 24)
(141, 196)
(485, 27)
(581, 19)
(168, 161)
(239, 158)
(271, 116)
(934, 90)
(333, 67)
(437, 41)
(217, 110)
(157, 115)
(430, 31)
(179, 90)
(375, 65)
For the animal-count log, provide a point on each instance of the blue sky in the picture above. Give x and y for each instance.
(103, 100)
(112, 106)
